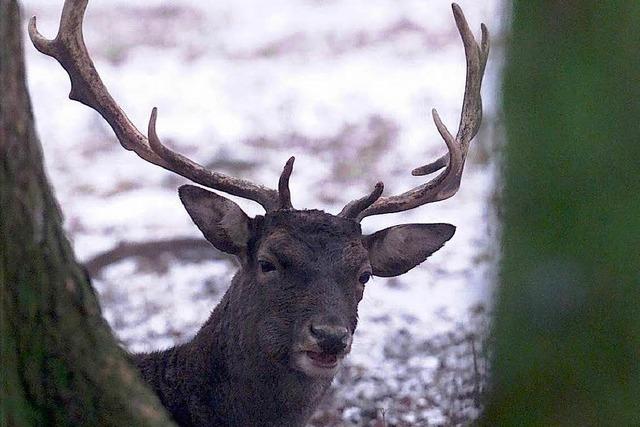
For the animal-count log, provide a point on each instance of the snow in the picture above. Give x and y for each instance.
(344, 85)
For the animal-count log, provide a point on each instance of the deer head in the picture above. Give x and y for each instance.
(304, 271)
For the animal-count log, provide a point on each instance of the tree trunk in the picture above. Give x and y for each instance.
(60, 362)
(567, 318)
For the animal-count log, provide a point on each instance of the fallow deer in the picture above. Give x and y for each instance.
(271, 347)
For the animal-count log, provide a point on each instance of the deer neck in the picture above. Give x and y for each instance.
(255, 386)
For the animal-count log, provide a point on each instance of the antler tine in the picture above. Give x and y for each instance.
(447, 183)
(471, 115)
(189, 169)
(353, 209)
(283, 185)
(69, 50)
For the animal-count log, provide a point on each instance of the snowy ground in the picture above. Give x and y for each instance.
(345, 86)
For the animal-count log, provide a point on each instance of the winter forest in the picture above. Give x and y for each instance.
(526, 316)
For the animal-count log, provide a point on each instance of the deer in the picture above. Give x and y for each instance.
(270, 349)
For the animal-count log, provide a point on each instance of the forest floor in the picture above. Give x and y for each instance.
(346, 87)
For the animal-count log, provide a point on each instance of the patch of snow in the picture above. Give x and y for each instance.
(244, 82)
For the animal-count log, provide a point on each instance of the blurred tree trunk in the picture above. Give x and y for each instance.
(568, 311)
(60, 364)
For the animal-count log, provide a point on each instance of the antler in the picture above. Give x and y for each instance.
(446, 184)
(69, 50)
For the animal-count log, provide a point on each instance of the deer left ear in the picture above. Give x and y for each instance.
(221, 221)
(396, 250)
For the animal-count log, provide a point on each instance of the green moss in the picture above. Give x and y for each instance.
(567, 322)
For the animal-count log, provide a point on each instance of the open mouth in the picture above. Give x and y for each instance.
(322, 360)
(317, 364)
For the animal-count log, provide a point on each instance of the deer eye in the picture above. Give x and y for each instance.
(266, 266)
(364, 277)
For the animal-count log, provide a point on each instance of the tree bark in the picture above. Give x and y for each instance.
(60, 363)
(567, 321)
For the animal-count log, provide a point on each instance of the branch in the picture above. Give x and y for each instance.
(194, 249)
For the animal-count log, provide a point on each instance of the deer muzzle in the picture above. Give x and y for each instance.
(322, 348)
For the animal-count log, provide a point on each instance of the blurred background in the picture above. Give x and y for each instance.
(344, 85)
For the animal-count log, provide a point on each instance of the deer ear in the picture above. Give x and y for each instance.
(221, 221)
(396, 250)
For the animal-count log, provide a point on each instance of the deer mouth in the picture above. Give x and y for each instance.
(317, 364)
(323, 360)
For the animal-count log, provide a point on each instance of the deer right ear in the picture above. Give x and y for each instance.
(221, 221)
(396, 250)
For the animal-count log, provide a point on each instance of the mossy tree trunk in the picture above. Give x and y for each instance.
(568, 311)
(60, 364)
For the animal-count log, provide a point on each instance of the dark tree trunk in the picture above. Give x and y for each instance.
(60, 363)
(568, 312)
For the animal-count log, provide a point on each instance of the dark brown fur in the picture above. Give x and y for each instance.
(235, 371)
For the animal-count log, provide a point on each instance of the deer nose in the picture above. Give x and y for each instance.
(330, 338)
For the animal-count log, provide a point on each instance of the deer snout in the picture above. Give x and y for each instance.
(322, 346)
(331, 339)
